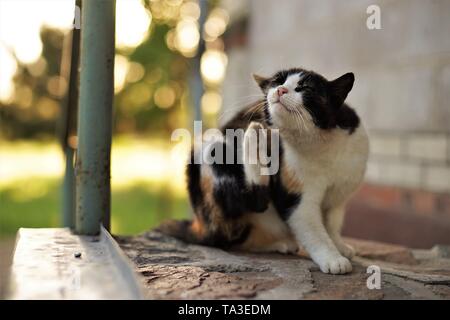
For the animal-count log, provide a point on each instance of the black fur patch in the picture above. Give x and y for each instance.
(221, 240)
(229, 196)
(283, 201)
(347, 119)
(257, 198)
(229, 184)
(193, 182)
(233, 169)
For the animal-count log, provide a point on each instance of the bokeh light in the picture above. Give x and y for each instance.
(211, 102)
(57, 86)
(213, 66)
(132, 23)
(21, 22)
(165, 97)
(37, 68)
(8, 67)
(23, 97)
(135, 72)
(190, 10)
(187, 37)
(121, 66)
(26, 18)
(216, 24)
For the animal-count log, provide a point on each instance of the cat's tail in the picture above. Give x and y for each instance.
(225, 235)
(189, 231)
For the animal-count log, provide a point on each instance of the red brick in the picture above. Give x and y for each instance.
(423, 202)
(443, 204)
(380, 196)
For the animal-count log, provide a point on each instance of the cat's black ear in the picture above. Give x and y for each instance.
(340, 88)
(262, 82)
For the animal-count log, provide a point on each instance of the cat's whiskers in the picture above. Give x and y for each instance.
(257, 108)
(238, 103)
(226, 112)
(236, 106)
(303, 120)
(298, 119)
(293, 111)
(297, 122)
(296, 112)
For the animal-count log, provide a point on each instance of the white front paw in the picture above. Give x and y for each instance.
(334, 264)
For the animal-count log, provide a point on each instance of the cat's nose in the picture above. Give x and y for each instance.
(281, 91)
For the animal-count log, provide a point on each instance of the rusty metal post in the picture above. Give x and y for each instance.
(196, 77)
(93, 187)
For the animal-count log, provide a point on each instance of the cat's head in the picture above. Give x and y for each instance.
(301, 99)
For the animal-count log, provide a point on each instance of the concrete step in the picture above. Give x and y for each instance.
(57, 264)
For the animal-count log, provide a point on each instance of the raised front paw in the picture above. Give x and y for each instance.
(255, 144)
(334, 265)
(255, 153)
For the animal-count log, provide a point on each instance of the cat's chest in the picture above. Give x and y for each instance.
(307, 167)
(337, 164)
(315, 168)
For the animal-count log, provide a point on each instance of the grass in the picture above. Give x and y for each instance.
(36, 203)
(147, 184)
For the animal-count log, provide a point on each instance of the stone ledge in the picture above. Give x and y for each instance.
(56, 264)
(171, 269)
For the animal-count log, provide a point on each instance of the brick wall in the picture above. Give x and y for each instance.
(411, 160)
(402, 88)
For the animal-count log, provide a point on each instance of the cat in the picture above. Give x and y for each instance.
(323, 152)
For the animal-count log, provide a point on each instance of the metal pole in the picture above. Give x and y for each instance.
(68, 199)
(196, 80)
(93, 188)
(69, 71)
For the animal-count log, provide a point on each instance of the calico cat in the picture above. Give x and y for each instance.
(323, 153)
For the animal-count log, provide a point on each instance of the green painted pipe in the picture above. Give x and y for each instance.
(93, 186)
(69, 71)
(68, 208)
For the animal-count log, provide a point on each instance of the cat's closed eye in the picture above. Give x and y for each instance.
(279, 79)
(303, 88)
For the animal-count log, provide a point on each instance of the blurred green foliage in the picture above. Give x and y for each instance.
(36, 105)
(135, 107)
(33, 111)
(134, 209)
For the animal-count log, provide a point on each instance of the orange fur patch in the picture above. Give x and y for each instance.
(290, 180)
(198, 228)
(261, 238)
